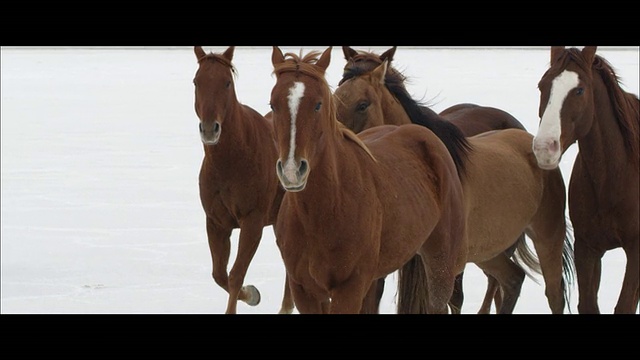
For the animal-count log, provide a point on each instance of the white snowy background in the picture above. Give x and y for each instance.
(100, 161)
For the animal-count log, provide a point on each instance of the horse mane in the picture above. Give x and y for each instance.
(304, 65)
(221, 59)
(365, 62)
(625, 105)
(418, 111)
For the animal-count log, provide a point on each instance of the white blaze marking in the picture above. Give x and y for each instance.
(295, 95)
(560, 87)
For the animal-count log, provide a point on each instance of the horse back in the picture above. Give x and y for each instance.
(474, 119)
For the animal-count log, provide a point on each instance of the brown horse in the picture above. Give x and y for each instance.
(238, 184)
(358, 207)
(506, 193)
(581, 101)
(471, 119)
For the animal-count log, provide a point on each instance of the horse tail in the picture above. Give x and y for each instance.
(527, 259)
(568, 265)
(412, 287)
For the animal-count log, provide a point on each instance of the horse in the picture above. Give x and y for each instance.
(471, 119)
(582, 101)
(237, 180)
(358, 207)
(506, 193)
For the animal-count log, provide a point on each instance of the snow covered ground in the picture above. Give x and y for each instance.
(100, 160)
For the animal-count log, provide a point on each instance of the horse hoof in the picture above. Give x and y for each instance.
(254, 295)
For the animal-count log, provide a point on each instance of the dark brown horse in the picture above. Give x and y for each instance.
(581, 101)
(358, 207)
(506, 193)
(238, 184)
(471, 119)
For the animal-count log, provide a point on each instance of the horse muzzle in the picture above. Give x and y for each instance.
(210, 135)
(547, 152)
(293, 176)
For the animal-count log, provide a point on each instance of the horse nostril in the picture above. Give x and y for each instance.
(216, 127)
(279, 166)
(555, 146)
(304, 166)
(200, 127)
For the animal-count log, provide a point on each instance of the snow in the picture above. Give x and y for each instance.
(100, 160)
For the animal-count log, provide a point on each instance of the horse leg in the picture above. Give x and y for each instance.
(287, 299)
(220, 248)
(440, 283)
(509, 275)
(250, 235)
(348, 297)
(305, 302)
(628, 299)
(548, 234)
(493, 286)
(588, 272)
(371, 303)
(588, 267)
(457, 298)
(490, 295)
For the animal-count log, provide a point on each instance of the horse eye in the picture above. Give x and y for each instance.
(228, 84)
(362, 106)
(580, 91)
(318, 106)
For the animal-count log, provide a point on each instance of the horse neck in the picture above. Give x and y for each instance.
(334, 172)
(393, 111)
(604, 139)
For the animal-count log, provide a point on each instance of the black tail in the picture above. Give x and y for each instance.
(412, 287)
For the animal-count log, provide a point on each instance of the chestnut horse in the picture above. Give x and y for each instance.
(581, 101)
(358, 207)
(506, 193)
(238, 184)
(471, 119)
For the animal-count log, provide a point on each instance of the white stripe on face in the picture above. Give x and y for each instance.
(550, 127)
(295, 95)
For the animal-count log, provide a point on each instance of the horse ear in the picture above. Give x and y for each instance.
(325, 59)
(388, 55)
(348, 52)
(555, 53)
(589, 53)
(378, 74)
(228, 54)
(276, 56)
(199, 52)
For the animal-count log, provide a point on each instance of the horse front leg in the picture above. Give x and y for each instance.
(250, 235)
(287, 299)
(371, 303)
(348, 296)
(305, 301)
(628, 299)
(588, 272)
(220, 248)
